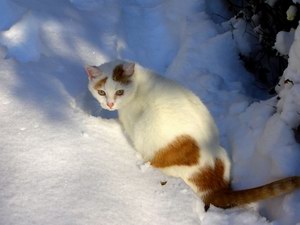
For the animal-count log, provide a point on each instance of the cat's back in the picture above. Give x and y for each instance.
(177, 108)
(164, 110)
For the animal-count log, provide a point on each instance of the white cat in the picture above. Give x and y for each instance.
(173, 130)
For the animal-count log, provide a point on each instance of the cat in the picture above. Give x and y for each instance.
(173, 130)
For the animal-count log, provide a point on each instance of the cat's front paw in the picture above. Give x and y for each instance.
(143, 166)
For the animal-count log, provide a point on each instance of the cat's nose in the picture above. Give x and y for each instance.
(110, 104)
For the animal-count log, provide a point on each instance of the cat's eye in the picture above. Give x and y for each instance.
(120, 92)
(101, 92)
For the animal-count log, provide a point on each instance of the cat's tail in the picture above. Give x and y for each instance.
(230, 198)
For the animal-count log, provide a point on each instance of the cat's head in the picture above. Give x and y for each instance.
(112, 83)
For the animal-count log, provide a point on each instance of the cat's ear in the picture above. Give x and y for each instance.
(92, 72)
(123, 72)
(128, 68)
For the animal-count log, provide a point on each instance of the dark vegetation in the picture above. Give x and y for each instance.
(264, 22)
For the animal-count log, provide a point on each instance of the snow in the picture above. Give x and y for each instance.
(283, 42)
(63, 160)
(10, 13)
(291, 12)
(272, 2)
(23, 37)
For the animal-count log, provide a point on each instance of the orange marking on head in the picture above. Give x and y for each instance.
(184, 151)
(100, 83)
(119, 75)
(211, 178)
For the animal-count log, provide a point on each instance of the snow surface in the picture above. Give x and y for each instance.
(284, 41)
(65, 161)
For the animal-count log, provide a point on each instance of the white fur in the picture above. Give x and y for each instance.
(158, 110)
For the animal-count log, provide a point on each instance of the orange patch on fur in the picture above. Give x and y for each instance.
(211, 178)
(100, 83)
(119, 76)
(184, 151)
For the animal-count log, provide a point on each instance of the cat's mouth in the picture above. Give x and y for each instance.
(111, 109)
